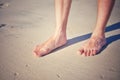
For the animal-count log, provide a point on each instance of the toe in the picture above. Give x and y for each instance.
(36, 52)
(41, 53)
(94, 51)
(88, 52)
(91, 52)
(85, 52)
(37, 48)
(81, 50)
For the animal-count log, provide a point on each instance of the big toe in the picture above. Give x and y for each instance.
(37, 48)
(41, 52)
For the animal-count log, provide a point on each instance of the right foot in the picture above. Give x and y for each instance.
(51, 44)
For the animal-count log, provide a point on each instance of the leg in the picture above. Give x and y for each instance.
(97, 40)
(59, 38)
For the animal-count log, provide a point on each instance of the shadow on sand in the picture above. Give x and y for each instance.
(86, 36)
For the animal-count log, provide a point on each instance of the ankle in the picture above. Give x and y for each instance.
(60, 33)
(98, 35)
(60, 38)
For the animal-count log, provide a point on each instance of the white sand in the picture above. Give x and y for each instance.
(25, 23)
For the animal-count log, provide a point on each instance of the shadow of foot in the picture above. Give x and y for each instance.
(109, 41)
(86, 36)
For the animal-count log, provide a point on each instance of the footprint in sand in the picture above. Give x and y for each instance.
(4, 5)
(113, 70)
(58, 76)
(26, 65)
(2, 25)
(16, 74)
(102, 76)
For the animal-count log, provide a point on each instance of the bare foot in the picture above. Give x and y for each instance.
(92, 46)
(51, 44)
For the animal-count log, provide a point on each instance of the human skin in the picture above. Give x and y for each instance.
(59, 38)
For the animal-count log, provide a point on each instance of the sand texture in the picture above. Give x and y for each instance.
(25, 23)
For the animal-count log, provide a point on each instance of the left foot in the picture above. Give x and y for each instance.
(92, 46)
